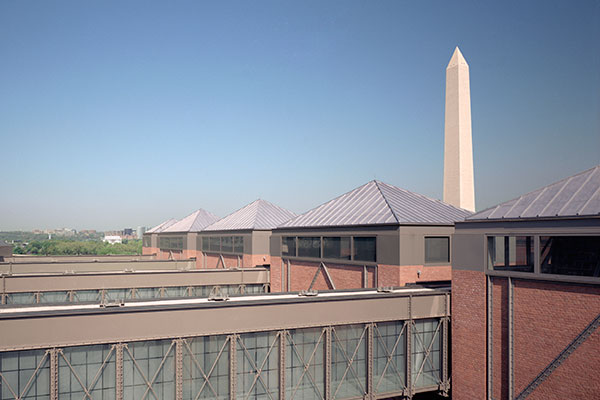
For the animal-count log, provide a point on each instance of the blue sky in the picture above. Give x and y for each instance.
(126, 113)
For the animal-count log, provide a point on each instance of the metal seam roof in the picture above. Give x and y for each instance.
(195, 222)
(574, 196)
(162, 226)
(378, 203)
(260, 214)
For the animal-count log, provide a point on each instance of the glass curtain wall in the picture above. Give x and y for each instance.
(149, 367)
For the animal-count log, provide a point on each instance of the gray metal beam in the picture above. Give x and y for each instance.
(54, 374)
(490, 338)
(119, 370)
(511, 357)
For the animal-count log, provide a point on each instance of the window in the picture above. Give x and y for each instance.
(288, 246)
(364, 249)
(205, 243)
(336, 247)
(570, 255)
(309, 247)
(227, 244)
(215, 243)
(171, 243)
(510, 253)
(147, 241)
(238, 244)
(437, 249)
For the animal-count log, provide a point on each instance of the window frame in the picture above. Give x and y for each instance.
(537, 274)
(449, 260)
(321, 257)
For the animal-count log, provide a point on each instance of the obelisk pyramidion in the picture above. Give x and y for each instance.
(458, 148)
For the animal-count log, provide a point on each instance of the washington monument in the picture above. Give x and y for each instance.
(458, 148)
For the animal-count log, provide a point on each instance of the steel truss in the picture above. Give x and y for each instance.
(286, 364)
(103, 295)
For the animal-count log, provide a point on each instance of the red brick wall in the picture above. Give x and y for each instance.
(149, 250)
(547, 317)
(170, 255)
(388, 275)
(252, 260)
(410, 274)
(468, 334)
(276, 275)
(343, 276)
(212, 261)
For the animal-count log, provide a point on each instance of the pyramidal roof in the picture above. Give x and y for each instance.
(377, 203)
(575, 196)
(162, 226)
(195, 222)
(260, 214)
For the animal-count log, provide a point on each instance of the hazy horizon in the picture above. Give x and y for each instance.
(125, 114)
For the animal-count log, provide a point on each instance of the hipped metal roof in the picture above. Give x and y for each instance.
(260, 214)
(576, 196)
(195, 222)
(162, 226)
(377, 203)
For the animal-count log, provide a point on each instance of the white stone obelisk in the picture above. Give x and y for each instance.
(458, 148)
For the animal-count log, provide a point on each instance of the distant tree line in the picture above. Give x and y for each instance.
(25, 237)
(61, 247)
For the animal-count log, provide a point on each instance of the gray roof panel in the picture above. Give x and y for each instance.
(195, 222)
(162, 226)
(578, 195)
(259, 214)
(377, 203)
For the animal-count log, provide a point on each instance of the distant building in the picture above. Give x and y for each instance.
(242, 238)
(140, 231)
(5, 250)
(112, 239)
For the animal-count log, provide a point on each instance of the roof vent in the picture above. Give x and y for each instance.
(112, 304)
(385, 289)
(308, 293)
(218, 297)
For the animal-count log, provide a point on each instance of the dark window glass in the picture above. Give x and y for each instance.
(205, 243)
(227, 244)
(170, 243)
(147, 241)
(238, 244)
(437, 249)
(309, 247)
(510, 253)
(215, 243)
(570, 255)
(336, 247)
(288, 246)
(365, 249)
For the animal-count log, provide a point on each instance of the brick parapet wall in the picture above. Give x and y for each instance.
(468, 335)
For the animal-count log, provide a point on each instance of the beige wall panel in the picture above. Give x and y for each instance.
(123, 325)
